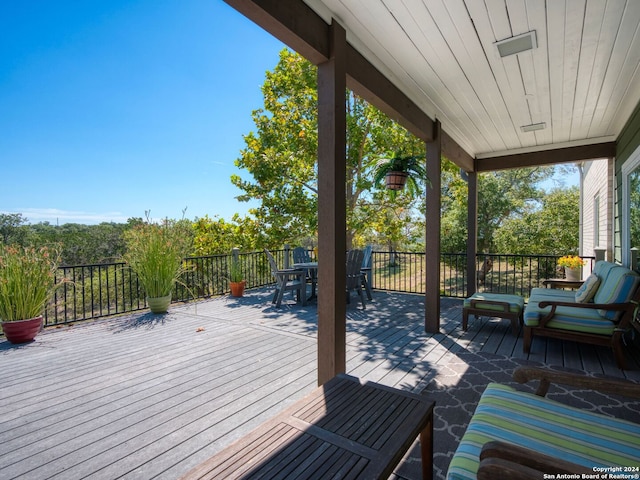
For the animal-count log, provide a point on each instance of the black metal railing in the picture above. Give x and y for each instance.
(93, 291)
(498, 273)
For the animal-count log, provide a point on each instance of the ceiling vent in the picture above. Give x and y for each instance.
(517, 44)
(533, 127)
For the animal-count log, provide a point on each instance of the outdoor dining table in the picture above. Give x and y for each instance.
(311, 272)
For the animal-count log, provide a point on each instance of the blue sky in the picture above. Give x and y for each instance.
(111, 108)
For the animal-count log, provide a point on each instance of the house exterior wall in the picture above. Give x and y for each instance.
(627, 143)
(597, 207)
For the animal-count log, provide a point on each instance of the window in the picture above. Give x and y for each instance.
(630, 205)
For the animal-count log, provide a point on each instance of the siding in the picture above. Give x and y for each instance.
(597, 183)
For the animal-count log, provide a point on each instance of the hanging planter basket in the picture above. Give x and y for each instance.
(396, 180)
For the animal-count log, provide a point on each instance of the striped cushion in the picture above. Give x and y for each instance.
(603, 267)
(566, 318)
(588, 289)
(516, 302)
(617, 286)
(548, 427)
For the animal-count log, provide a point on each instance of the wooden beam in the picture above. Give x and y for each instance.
(366, 81)
(547, 157)
(432, 262)
(332, 222)
(303, 30)
(292, 22)
(454, 152)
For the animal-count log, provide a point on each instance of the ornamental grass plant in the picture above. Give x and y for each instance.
(235, 270)
(27, 280)
(156, 253)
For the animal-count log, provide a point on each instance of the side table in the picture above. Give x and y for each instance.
(343, 429)
(562, 283)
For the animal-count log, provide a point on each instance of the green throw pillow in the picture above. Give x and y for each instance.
(588, 289)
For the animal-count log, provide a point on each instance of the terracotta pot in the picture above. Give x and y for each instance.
(396, 180)
(22, 331)
(159, 304)
(237, 288)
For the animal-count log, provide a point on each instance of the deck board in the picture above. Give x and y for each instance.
(143, 396)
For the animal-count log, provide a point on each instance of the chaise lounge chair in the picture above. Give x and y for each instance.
(515, 434)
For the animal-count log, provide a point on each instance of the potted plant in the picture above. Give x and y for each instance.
(236, 277)
(156, 253)
(27, 284)
(401, 170)
(572, 265)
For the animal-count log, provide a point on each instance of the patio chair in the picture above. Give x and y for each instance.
(355, 275)
(366, 271)
(515, 434)
(287, 279)
(301, 255)
(599, 313)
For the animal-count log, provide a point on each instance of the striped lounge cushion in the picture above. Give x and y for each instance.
(548, 427)
(566, 318)
(516, 302)
(618, 286)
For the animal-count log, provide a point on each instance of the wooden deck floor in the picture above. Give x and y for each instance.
(143, 396)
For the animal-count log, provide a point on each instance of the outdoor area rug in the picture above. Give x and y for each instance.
(456, 388)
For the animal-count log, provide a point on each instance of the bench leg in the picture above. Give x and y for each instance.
(465, 319)
(618, 351)
(514, 324)
(526, 341)
(426, 450)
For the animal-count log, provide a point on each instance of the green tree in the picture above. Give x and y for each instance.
(216, 236)
(82, 244)
(502, 196)
(552, 229)
(281, 155)
(11, 228)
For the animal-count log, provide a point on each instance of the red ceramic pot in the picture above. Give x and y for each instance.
(22, 331)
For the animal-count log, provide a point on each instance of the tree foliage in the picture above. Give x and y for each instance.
(552, 229)
(216, 236)
(502, 196)
(281, 156)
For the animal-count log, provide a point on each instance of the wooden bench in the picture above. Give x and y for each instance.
(494, 305)
(344, 429)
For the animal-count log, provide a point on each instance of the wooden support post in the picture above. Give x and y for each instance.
(432, 264)
(332, 223)
(472, 232)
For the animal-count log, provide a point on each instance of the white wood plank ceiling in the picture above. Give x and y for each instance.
(582, 81)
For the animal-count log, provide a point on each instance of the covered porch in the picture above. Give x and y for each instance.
(490, 86)
(150, 396)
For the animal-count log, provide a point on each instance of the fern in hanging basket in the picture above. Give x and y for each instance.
(401, 170)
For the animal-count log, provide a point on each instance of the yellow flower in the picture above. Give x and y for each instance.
(571, 261)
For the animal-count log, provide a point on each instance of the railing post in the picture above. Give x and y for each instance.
(287, 249)
(235, 253)
(634, 259)
(600, 253)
